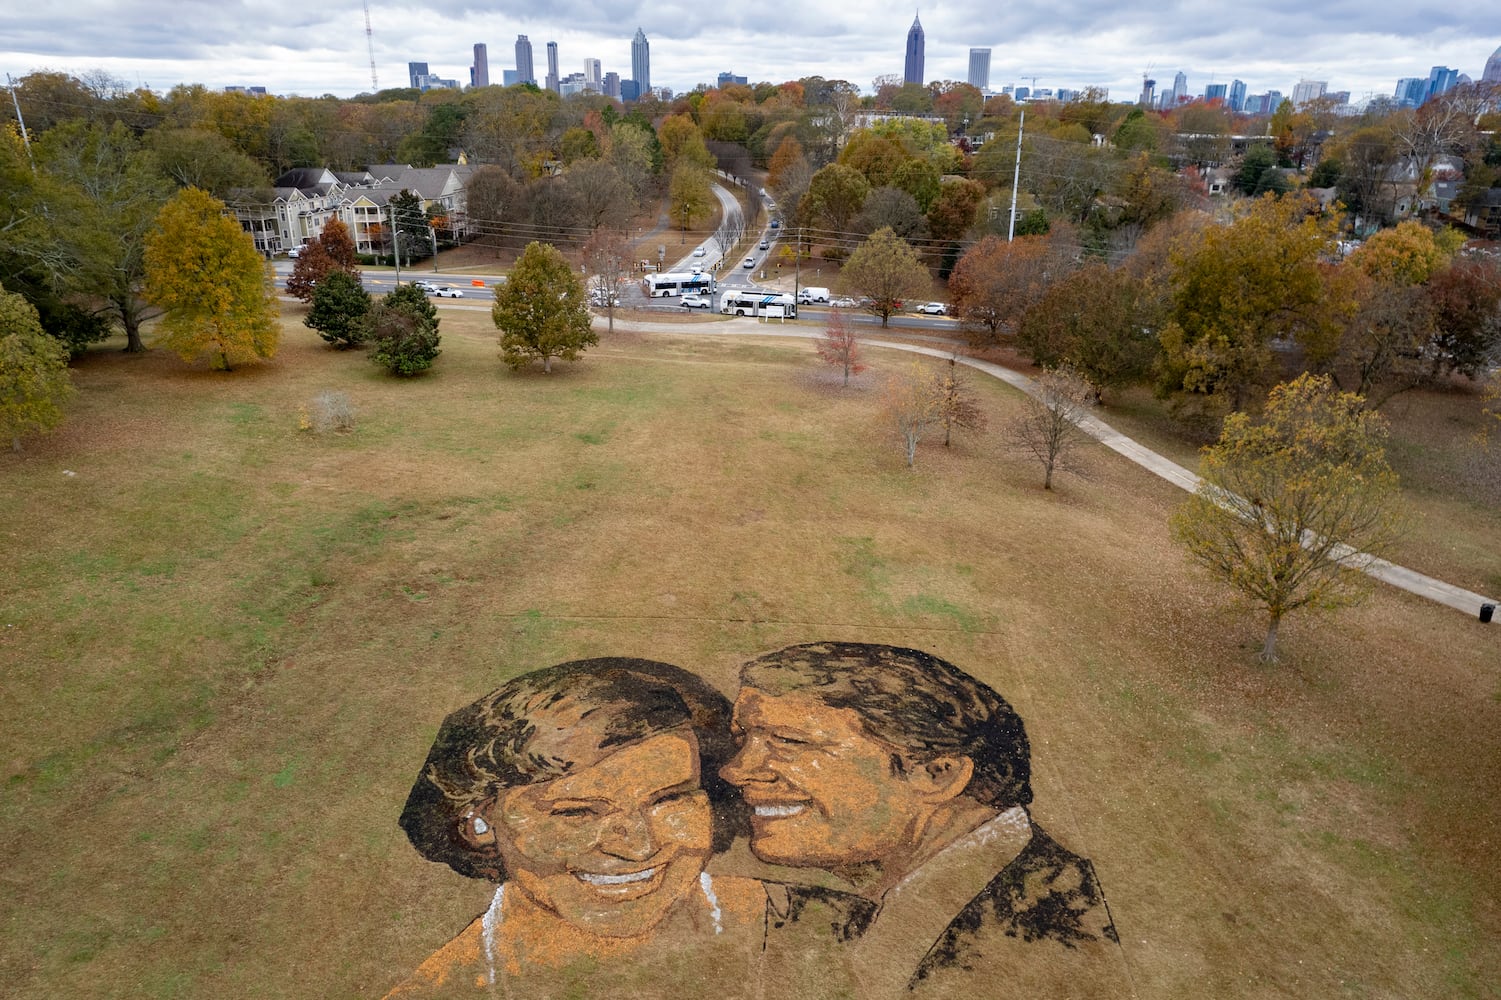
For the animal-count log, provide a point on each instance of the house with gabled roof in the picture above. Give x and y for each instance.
(306, 198)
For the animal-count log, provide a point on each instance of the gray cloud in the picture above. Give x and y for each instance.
(1356, 46)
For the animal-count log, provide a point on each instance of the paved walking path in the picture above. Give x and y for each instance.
(1398, 576)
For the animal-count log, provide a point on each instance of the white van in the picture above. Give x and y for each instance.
(810, 295)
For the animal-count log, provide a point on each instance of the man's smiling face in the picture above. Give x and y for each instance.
(825, 793)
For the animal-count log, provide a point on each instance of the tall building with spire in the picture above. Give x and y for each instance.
(524, 71)
(915, 44)
(641, 62)
(552, 66)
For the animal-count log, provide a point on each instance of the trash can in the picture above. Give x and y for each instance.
(1487, 612)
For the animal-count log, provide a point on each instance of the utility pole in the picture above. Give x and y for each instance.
(431, 231)
(20, 120)
(797, 270)
(1016, 175)
(395, 243)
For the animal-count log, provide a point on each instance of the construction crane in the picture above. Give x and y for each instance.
(370, 44)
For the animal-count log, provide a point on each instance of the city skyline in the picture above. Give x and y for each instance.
(320, 50)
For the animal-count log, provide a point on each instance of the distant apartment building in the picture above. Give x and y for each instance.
(479, 73)
(641, 63)
(552, 66)
(524, 71)
(415, 70)
(1305, 91)
(916, 42)
(979, 68)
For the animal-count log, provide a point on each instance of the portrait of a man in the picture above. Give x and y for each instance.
(910, 780)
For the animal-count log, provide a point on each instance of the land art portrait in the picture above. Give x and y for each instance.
(883, 791)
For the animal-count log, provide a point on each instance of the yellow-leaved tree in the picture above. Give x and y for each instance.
(1290, 508)
(203, 272)
(34, 381)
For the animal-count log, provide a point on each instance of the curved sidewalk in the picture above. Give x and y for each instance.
(1406, 579)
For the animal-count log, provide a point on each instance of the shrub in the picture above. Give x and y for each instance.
(328, 411)
(405, 341)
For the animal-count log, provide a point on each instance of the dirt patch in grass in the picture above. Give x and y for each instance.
(229, 642)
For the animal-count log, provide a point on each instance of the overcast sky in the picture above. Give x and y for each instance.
(319, 47)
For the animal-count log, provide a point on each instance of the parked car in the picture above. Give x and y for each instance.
(933, 309)
(844, 302)
(749, 262)
(447, 292)
(698, 251)
(696, 302)
(296, 251)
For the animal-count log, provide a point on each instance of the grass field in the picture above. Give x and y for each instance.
(228, 643)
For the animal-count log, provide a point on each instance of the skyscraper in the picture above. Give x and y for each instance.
(1148, 91)
(416, 72)
(1180, 89)
(1308, 90)
(1236, 100)
(979, 68)
(1441, 80)
(915, 44)
(552, 66)
(641, 62)
(479, 73)
(1492, 73)
(524, 73)
(612, 85)
(592, 76)
(1215, 92)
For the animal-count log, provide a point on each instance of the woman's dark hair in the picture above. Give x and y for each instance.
(500, 742)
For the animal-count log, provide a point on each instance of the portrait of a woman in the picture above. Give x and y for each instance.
(589, 794)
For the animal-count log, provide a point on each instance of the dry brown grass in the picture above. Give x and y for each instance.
(228, 644)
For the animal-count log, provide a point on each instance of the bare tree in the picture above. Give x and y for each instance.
(909, 406)
(839, 347)
(1048, 428)
(956, 404)
(606, 257)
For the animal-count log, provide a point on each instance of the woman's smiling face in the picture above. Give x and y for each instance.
(612, 846)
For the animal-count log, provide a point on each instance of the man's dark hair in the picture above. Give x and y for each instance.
(923, 707)
(501, 741)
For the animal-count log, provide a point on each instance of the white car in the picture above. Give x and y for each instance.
(698, 251)
(844, 302)
(447, 292)
(296, 252)
(749, 262)
(933, 309)
(762, 246)
(695, 302)
(426, 286)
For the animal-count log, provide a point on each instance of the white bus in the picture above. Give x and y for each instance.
(748, 303)
(677, 283)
